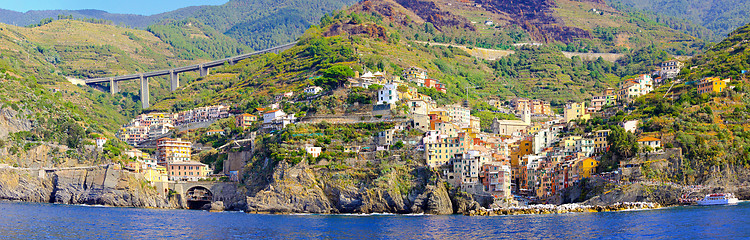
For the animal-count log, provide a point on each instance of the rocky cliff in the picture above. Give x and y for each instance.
(95, 186)
(309, 189)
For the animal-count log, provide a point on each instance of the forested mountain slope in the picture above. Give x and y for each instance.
(258, 24)
(719, 16)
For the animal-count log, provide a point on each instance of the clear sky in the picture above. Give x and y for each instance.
(144, 7)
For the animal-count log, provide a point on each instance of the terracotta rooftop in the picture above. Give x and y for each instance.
(648, 139)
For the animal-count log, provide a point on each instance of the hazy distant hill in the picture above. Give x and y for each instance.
(33, 17)
(256, 23)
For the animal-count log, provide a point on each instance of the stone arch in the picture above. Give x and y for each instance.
(197, 196)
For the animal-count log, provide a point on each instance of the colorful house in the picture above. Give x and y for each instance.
(154, 175)
(245, 120)
(172, 150)
(587, 167)
(712, 84)
(574, 111)
(187, 171)
(652, 142)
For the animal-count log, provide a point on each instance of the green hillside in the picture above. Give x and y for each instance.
(363, 37)
(726, 59)
(721, 17)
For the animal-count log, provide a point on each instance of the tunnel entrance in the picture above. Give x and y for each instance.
(197, 197)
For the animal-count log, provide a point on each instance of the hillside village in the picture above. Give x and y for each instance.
(536, 157)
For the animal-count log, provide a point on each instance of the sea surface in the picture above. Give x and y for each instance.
(51, 221)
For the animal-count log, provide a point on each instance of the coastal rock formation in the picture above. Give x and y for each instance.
(662, 194)
(217, 206)
(25, 186)
(464, 203)
(303, 189)
(434, 200)
(96, 186)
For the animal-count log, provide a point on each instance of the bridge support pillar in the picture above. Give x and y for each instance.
(144, 92)
(203, 71)
(175, 80)
(113, 86)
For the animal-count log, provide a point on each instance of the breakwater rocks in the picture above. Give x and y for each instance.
(565, 208)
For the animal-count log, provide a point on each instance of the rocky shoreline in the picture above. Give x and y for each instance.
(104, 186)
(565, 208)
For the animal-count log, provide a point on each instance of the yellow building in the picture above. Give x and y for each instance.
(587, 167)
(158, 174)
(439, 154)
(440, 114)
(411, 93)
(535, 128)
(569, 142)
(574, 111)
(712, 84)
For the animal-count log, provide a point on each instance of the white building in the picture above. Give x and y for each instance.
(511, 127)
(585, 146)
(313, 90)
(630, 126)
(419, 106)
(652, 142)
(271, 115)
(389, 94)
(544, 139)
(100, 141)
(313, 151)
(460, 115)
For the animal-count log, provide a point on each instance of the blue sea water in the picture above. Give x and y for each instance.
(51, 221)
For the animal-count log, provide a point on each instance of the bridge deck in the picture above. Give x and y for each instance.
(211, 64)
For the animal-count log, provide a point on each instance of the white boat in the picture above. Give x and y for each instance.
(718, 199)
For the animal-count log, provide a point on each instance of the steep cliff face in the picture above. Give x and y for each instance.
(12, 121)
(306, 189)
(96, 186)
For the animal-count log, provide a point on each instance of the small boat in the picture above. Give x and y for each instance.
(718, 199)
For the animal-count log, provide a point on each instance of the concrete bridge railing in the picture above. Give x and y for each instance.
(174, 73)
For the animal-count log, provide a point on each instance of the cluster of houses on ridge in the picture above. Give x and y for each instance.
(522, 157)
(153, 126)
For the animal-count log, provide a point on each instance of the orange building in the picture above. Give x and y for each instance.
(245, 120)
(170, 150)
(518, 169)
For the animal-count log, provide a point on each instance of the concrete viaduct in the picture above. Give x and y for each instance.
(203, 69)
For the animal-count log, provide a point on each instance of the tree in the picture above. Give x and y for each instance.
(622, 143)
(398, 145)
(402, 88)
(375, 87)
(334, 76)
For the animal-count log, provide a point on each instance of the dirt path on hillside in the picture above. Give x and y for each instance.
(483, 53)
(494, 54)
(610, 57)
